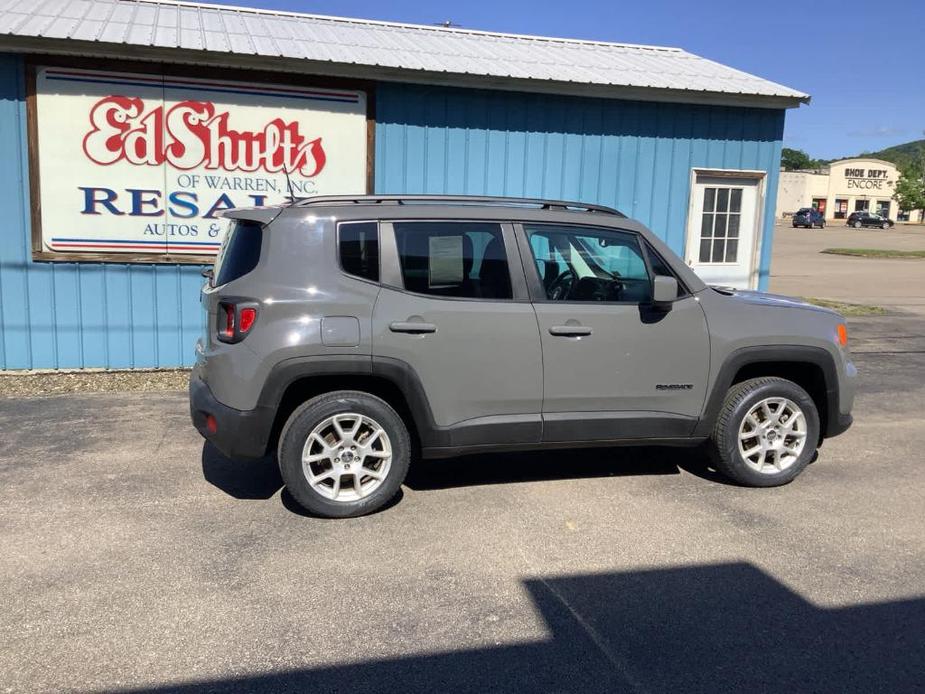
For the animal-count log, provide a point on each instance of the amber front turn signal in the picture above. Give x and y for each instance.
(842, 331)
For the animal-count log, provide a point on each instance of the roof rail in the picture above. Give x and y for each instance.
(454, 200)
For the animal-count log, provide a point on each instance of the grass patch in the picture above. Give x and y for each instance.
(874, 253)
(846, 309)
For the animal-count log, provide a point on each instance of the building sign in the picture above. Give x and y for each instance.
(874, 180)
(133, 163)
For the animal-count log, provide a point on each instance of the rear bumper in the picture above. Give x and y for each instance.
(838, 425)
(239, 434)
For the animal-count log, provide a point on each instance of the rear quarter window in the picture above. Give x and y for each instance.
(240, 252)
(358, 245)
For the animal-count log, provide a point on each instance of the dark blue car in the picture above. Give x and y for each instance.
(809, 218)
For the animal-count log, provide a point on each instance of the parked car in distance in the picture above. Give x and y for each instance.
(346, 333)
(869, 219)
(809, 218)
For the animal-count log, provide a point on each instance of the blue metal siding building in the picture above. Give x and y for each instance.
(634, 154)
(80, 315)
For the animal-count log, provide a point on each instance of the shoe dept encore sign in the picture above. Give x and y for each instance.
(134, 163)
(875, 179)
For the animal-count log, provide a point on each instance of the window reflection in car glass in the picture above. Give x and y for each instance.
(583, 264)
(457, 259)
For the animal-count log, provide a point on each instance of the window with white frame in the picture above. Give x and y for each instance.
(719, 226)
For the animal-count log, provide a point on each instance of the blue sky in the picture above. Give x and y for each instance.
(863, 62)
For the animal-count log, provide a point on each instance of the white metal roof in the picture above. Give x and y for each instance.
(385, 50)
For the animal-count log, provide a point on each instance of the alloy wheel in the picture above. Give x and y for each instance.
(347, 457)
(772, 435)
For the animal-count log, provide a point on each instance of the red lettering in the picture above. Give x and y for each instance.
(193, 134)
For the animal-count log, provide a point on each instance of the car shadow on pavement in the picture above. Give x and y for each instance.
(712, 628)
(260, 479)
(253, 479)
(563, 464)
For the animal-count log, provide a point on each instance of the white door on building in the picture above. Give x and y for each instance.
(722, 233)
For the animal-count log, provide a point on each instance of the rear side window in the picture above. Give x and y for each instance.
(464, 260)
(358, 245)
(240, 252)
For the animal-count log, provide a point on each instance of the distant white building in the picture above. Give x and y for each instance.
(844, 187)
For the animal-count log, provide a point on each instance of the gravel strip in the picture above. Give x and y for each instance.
(26, 384)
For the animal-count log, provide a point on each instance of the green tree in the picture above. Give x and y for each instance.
(795, 159)
(910, 188)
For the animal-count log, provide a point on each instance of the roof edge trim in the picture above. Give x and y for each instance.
(35, 47)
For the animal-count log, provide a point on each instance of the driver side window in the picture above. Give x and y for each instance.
(589, 264)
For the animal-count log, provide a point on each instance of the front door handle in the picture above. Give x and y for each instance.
(412, 327)
(570, 330)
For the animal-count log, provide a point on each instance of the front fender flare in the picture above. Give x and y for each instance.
(788, 354)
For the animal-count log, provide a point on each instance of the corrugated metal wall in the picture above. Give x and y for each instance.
(80, 315)
(635, 156)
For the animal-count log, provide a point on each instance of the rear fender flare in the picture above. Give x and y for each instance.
(398, 373)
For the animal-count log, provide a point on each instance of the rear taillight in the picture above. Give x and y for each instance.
(235, 320)
(248, 316)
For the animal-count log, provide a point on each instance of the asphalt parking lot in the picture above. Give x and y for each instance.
(799, 269)
(136, 558)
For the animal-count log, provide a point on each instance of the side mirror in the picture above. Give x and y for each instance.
(664, 291)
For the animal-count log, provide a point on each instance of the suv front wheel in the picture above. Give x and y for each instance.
(344, 454)
(766, 432)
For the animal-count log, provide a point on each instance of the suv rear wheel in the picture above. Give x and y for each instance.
(343, 454)
(766, 432)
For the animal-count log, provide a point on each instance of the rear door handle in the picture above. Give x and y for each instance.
(570, 330)
(412, 327)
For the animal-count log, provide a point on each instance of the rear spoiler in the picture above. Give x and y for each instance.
(261, 215)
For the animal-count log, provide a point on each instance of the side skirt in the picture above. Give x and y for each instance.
(455, 451)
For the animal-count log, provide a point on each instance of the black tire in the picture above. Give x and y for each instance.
(312, 413)
(857, 225)
(724, 443)
(885, 226)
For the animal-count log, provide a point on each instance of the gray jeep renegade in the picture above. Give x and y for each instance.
(350, 334)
